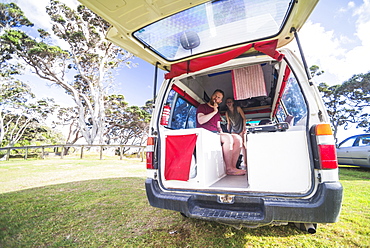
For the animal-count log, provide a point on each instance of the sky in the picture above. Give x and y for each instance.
(336, 37)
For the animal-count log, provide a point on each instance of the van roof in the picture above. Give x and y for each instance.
(168, 32)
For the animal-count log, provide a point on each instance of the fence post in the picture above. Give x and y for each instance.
(56, 149)
(42, 152)
(82, 152)
(62, 153)
(120, 152)
(142, 154)
(7, 154)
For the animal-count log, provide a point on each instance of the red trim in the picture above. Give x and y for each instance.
(283, 84)
(185, 95)
(204, 62)
(267, 47)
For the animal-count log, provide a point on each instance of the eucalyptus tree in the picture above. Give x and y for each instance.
(20, 113)
(83, 68)
(126, 125)
(347, 103)
(68, 117)
(11, 16)
(336, 107)
(356, 91)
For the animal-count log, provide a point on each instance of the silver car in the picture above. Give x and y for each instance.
(355, 150)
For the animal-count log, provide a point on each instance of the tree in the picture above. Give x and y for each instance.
(356, 91)
(126, 124)
(68, 116)
(90, 59)
(20, 113)
(335, 106)
(347, 103)
(315, 71)
(11, 16)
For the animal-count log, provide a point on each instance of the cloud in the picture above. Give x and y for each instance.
(350, 5)
(338, 55)
(36, 13)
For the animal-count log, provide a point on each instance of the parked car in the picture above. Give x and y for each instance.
(355, 150)
(236, 46)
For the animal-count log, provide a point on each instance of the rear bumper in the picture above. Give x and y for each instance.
(323, 207)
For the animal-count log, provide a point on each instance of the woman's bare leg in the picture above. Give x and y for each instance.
(231, 150)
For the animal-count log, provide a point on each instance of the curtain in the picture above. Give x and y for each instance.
(179, 151)
(248, 82)
(267, 47)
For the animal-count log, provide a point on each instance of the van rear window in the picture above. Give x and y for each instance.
(214, 25)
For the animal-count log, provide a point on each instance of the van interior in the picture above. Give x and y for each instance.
(276, 113)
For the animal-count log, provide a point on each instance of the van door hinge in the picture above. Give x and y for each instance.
(226, 199)
(319, 177)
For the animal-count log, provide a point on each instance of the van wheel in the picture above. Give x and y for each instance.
(184, 215)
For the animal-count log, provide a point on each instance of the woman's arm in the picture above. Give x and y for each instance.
(241, 112)
(228, 121)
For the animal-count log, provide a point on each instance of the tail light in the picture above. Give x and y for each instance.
(165, 115)
(150, 153)
(325, 154)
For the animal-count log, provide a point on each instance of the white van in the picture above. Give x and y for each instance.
(235, 46)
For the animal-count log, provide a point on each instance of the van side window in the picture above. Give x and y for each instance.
(364, 141)
(293, 100)
(280, 114)
(348, 143)
(182, 114)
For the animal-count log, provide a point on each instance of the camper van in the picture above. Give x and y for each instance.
(238, 46)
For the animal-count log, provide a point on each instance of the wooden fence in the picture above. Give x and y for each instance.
(66, 146)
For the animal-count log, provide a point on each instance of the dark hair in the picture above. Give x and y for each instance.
(234, 103)
(231, 99)
(221, 91)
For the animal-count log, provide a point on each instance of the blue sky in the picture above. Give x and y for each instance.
(336, 38)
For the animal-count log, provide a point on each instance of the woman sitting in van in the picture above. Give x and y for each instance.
(236, 124)
(208, 117)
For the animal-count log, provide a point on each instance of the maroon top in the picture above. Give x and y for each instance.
(211, 125)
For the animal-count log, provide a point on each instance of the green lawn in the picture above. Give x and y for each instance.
(114, 212)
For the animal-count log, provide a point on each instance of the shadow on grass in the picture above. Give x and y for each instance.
(115, 213)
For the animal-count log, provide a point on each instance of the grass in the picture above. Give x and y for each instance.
(114, 212)
(22, 174)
